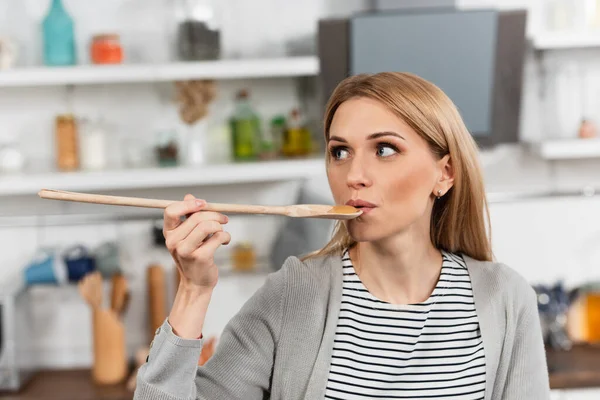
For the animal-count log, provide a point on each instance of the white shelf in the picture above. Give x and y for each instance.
(248, 172)
(567, 149)
(221, 69)
(558, 41)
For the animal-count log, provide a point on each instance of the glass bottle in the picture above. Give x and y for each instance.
(59, 36)
(277, 133)
(245, 129)
(296, 136)
(308, 145)
(595, 18)
(67, 143)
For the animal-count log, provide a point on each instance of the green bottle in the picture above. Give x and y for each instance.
(245, 129)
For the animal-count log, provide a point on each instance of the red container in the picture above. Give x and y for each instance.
(106, 49)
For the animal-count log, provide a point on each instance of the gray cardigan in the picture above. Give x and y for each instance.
(279, 345)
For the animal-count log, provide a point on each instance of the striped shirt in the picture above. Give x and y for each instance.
(429, 350)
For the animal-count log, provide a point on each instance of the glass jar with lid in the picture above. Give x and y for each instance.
(197, 35)
(106, 49)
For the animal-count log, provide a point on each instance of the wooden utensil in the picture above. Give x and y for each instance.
(297, 211)
(119, 293)
(109, 349)
(90, 288)
(110, 353)
(157, 298)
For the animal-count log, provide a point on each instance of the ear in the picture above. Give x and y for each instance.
(446, 175)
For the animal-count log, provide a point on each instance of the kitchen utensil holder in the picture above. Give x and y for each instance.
(110, 355)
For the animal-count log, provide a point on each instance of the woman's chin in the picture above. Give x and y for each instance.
(364, 233)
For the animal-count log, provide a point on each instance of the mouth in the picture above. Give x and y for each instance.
(362, 205)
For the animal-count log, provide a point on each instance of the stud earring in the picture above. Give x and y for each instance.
(439, 194)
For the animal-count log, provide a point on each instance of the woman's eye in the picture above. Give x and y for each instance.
(339, 153)
(386, 150)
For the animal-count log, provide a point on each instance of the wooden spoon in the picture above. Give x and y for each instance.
(90, 288)
(118, 294)
(298, 211)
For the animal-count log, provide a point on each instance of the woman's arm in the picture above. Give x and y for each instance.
(241, 366)
(528, 371)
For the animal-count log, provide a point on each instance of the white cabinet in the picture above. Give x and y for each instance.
(557, 395)
(576, 394)
(583, 394)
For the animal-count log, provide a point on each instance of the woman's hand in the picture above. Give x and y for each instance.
(192, 242)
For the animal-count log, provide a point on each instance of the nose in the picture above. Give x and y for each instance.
(358, 176)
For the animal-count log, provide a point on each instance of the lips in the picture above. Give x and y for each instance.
(362, 205)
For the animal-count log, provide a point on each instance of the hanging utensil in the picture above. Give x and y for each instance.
(90, 288)
(119, 293)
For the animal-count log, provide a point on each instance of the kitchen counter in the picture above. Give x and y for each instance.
(575, 369)
(67, 384)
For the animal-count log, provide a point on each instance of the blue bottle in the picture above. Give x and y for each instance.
(59, 36)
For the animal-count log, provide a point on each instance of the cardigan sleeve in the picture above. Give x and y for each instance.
(527, 377)
(242, 363)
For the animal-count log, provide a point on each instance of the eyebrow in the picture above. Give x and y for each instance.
(372, 136)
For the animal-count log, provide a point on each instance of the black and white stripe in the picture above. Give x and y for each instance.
(429, 350)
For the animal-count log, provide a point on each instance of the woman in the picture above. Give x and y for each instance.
(404, 302)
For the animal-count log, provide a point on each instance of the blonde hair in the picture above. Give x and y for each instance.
(459, 218)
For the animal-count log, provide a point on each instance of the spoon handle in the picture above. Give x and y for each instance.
(156, 203)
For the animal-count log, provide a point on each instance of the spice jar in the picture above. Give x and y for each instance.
(243, 257)
(93, 146)
(167, 150)
(587, 130)
(67, 145)
(106, 49)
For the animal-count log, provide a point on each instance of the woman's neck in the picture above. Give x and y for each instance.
(398, 270)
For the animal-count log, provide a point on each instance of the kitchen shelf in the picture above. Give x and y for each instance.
(567, 149)
(218, 69)
(564, 41)
(210, 174)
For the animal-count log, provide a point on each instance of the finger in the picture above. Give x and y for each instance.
(209, 247)
(174, 212)
(186, 198)
(178, 234)
(201, 232)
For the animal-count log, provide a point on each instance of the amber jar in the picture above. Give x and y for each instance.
(67, 144)
(106, 49)
(244, 257)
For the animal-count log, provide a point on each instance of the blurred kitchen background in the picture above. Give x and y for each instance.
(224, 99)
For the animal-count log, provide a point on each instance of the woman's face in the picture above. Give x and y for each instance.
(377, 161)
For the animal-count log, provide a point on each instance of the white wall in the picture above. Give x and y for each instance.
(523, 232)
